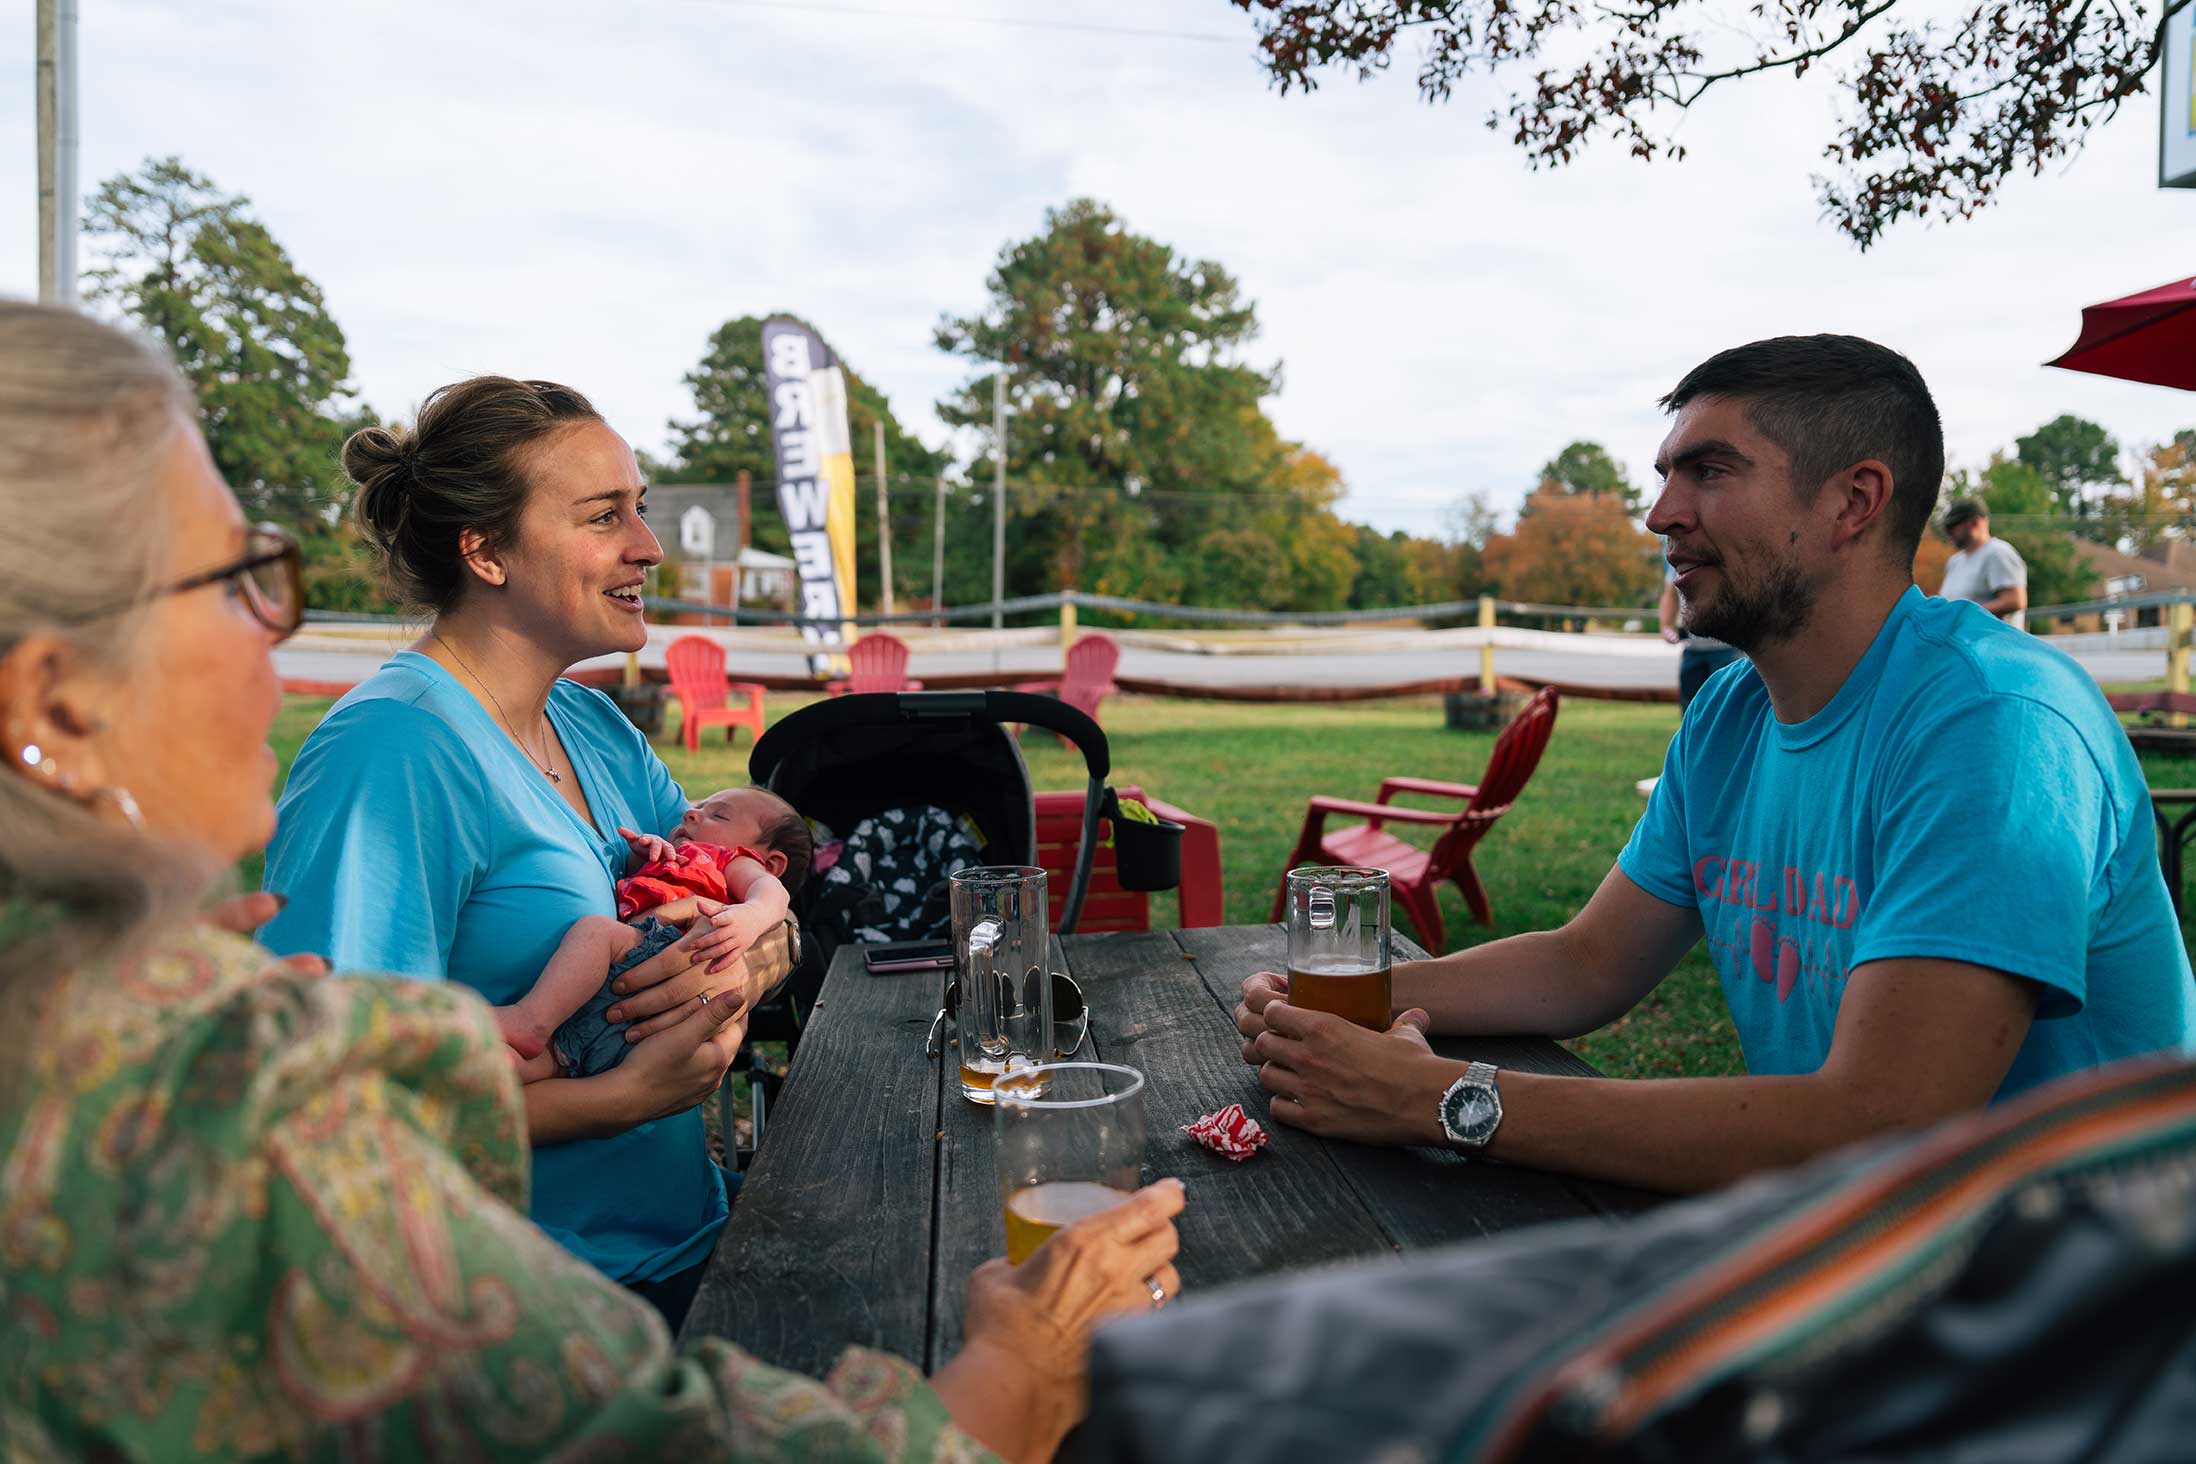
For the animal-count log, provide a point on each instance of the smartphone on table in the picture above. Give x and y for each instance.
(900, 956)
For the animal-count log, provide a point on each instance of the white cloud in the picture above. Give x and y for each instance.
(571, 190)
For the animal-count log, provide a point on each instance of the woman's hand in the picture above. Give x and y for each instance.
(660, 990)
(244, 914)
(1017, 1384)
(681, 1063)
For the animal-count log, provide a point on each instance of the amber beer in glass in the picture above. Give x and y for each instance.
(1003, 1004)
(1338, 943)
(1070, 1145)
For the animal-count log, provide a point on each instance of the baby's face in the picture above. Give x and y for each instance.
(731, 818)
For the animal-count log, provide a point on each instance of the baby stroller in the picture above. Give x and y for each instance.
(853, 757)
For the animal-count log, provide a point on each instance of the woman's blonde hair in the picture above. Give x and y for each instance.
(87, 413)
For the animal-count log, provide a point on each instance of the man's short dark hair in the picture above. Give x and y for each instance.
(1965, 511)
(1830, 401)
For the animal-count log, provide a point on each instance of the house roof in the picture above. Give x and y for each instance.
(2166, 566)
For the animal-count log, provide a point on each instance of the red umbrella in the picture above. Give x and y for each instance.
(2146, 337)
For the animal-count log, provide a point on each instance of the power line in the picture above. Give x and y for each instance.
(809, 7)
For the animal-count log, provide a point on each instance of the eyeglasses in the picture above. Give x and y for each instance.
(269, 576)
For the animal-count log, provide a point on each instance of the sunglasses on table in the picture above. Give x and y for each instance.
(269, 576)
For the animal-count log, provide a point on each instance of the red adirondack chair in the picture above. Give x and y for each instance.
(1106, 906)
(876, 662)
(1090, 663)
(696, 664)
(1414, 874)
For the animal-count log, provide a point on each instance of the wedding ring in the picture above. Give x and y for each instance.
(705, 998)
(1158, 1292)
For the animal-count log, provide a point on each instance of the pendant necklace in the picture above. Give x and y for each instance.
(554, 775)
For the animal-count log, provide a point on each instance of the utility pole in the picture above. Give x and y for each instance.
(998, 499)
(938, 555)
(57, 151)
(884, 519)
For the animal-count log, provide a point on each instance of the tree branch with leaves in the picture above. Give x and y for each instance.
(1941, 111)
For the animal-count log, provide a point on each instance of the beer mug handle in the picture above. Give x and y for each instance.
(1320, 911)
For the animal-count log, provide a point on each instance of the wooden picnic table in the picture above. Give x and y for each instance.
(874, 1195)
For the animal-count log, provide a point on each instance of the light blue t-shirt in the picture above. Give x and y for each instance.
(1967, 795)
(415, 839)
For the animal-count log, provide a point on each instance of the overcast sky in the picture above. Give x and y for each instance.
(583, 191)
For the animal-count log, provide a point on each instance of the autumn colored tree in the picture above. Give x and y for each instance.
(1941, 108)
(1574, 549)
(2161, 504)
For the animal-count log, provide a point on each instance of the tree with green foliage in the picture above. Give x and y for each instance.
(1586, 467)
(1383, 569)
(1134, 423)
(2076, 459)
(730, 434)
(250, 330)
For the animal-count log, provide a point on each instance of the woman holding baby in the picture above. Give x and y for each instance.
(247, 1210)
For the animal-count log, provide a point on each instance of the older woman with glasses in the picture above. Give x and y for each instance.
(247, 1210)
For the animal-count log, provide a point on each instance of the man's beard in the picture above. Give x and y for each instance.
(1774, 608)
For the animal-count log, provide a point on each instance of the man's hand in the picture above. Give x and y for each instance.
(1342, 1081)
(645, 848)
(1259, 992)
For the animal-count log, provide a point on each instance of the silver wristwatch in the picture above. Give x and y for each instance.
(1471, 1110)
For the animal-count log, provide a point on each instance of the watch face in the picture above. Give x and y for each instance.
(1472, 1112)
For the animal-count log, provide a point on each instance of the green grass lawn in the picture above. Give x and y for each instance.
(1249, 768)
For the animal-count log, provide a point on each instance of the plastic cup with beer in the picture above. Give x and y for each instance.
(1003, 1004)
(1339, 960)
(1070, 1145)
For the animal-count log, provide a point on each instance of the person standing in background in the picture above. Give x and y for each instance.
(1703, 657)
(1986, 570)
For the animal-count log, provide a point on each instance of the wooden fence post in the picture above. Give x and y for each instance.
(1067, 620)
(1486, 647)
(2178, 619)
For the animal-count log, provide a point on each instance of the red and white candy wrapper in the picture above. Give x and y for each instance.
(1231, 1131)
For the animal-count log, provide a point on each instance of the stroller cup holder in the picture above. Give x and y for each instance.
(1146, 856)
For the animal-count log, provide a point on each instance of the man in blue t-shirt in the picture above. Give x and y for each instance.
(1915, 840)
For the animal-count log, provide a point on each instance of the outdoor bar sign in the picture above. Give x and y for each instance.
(815, 454)
(2177, 102)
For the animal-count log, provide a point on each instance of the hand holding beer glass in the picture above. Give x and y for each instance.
(1339, 960)
(1070, 1145)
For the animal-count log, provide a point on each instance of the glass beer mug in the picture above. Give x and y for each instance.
(1003, 1004)
(1338, 943)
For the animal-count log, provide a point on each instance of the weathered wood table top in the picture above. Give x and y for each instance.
(874, 1194)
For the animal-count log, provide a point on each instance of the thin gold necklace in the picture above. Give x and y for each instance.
(554, 775)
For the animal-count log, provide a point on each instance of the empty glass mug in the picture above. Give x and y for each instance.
(1338, 943)
(1003, 1004)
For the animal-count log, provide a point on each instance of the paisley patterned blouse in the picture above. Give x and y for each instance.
(245, 1214)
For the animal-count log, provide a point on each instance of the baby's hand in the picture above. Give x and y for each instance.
(646, 848)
